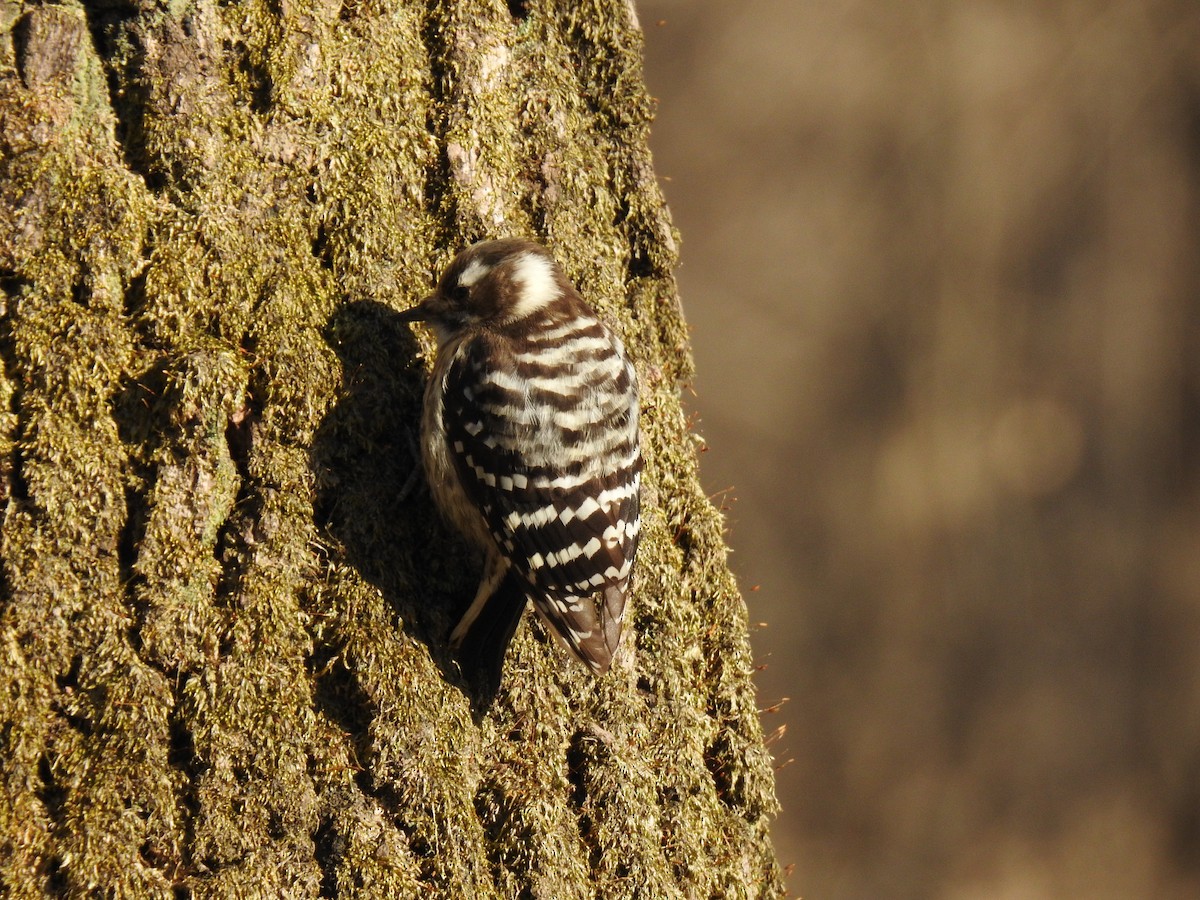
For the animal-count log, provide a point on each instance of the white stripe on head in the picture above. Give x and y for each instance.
(535, 274)
(474, 271)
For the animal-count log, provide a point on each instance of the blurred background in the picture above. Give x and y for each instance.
(940, 263)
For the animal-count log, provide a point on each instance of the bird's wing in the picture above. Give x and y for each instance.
(566, 522)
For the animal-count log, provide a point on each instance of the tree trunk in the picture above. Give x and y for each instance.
(225, 589)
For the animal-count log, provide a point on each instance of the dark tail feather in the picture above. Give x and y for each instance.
(611, 616)
(482, 649)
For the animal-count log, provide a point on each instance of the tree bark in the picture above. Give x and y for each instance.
(225, 589)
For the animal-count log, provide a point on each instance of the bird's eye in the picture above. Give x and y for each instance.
(459, 293)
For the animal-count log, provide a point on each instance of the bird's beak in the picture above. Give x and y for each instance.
(418, 313)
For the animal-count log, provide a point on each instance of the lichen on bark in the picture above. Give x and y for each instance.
(223, 620)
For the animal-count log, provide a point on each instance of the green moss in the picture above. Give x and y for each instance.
(224, 622)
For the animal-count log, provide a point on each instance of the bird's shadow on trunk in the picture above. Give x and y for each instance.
(371, 496)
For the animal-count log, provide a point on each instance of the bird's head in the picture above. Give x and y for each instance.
(491, 284)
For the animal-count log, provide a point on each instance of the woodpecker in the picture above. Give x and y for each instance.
(529, 439)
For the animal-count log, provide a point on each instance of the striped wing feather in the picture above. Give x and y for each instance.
(539, 501)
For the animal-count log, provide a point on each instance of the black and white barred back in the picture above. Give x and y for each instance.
(530, 441)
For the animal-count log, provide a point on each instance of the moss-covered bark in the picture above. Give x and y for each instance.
(222, 658)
